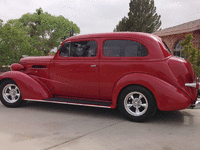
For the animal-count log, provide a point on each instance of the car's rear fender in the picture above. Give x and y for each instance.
(31, 88)
(168, 97)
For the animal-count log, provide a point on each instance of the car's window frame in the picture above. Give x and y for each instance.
(166, 46)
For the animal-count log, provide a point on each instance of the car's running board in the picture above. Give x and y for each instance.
(75, 102)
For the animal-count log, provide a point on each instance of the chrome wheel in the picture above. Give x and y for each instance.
(11, 93)
(136, 103)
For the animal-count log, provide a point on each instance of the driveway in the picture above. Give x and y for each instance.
(64, 127)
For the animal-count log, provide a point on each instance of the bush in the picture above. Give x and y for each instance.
(191, 53)
(4, 68)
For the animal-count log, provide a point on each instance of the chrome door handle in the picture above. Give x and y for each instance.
(93, 66)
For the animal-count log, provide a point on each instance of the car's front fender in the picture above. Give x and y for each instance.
(31, 88)
(168, 96)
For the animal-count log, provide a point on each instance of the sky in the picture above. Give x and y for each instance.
(98, 16)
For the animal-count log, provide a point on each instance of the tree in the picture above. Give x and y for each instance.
(45, 30)
(142, 17)
(191, 53)
(32, 34)
(14, 43)
(1, 23)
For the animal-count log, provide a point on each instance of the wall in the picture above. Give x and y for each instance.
(171, 40)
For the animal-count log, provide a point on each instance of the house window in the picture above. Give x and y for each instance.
(178, 49)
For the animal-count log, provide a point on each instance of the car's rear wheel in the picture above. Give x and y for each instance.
(10, 94)
(137, 103)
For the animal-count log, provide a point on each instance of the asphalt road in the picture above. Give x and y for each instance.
(43, 126)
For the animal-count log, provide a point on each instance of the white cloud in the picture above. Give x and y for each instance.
(175, 12)
(93, 16)
(13, 9)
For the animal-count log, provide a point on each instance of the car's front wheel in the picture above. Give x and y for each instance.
(137, 103)
(10, 94)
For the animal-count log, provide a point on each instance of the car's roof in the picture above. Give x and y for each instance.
(114, 34)
(151, 41)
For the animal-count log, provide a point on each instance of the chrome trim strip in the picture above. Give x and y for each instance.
(57, 102)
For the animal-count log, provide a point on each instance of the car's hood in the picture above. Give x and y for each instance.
(36, 59)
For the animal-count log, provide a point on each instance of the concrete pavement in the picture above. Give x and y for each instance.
(44, 126)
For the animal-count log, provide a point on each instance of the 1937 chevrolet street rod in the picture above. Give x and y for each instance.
(132, 71)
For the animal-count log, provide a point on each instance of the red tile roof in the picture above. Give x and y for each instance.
(182, 28)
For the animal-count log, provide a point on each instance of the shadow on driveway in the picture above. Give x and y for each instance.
(182, 117)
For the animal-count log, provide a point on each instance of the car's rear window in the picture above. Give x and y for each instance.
(124, 48)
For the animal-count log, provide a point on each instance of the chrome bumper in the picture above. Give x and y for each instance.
(194, 85)
(197, 103)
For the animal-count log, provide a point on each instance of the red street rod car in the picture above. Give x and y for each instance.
(132, 71)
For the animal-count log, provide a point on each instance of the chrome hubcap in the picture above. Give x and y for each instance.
(11, 93)
(136, 103)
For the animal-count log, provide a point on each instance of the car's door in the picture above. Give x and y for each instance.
(119, 57)
(75, 71)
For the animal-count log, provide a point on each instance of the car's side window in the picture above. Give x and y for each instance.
(79, 49)
(124, 48)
